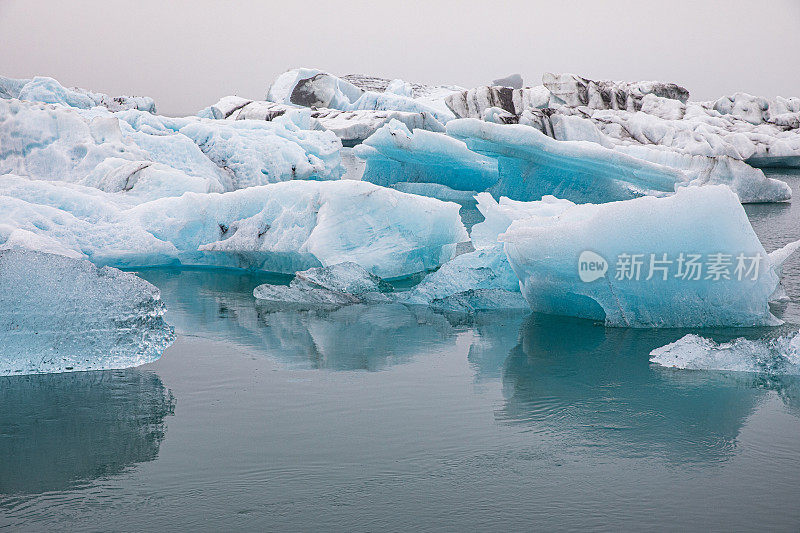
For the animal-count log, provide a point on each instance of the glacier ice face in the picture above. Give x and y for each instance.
(778, 356)
(332, 286)
(49, 91)
(61, 314)
(602, 262)
(282, 227)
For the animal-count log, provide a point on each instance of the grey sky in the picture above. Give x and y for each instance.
(187, 54)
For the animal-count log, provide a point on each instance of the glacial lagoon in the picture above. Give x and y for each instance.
(387, 417)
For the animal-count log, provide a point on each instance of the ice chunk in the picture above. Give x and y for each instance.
(474, 281)
(282, 227)
(394, 154)
(49, 91)
(752, 109)
(60, 314)
(498, 216)
(149, 156)
(532, 165)
(332, 286)
(690, 260)
(771, 356)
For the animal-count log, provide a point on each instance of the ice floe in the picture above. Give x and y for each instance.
(778, 356)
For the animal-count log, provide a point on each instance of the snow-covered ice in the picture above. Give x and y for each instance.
(687, 260)
(777, 356)
(62, 314)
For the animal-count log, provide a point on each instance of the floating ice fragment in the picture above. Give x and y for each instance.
(61, 314)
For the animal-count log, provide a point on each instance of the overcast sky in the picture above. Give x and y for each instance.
(188, 54)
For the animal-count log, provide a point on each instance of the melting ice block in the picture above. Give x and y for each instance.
(281, 227)
(778, 356)
(690, 260)
(61, 314)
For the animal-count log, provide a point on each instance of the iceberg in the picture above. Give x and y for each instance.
(49, 91)
(482, 279)
(706, 149)
(532, 165)
(687, 260)
(282, 227)
(778, 356)
(61, 314)
(576, 91)
(332, 286)
(394, 154)
(149, 156)
(474, 103)
(317, 89)
(351, 127)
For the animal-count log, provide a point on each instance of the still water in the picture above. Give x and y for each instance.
(390, 418)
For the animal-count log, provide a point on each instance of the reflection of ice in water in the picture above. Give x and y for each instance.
(594, 386)
(59, 430)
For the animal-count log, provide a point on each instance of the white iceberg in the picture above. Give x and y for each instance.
(778, 356)
(282, 227)
(688, 260)
(317, 89)
(351, 127)
(148, 156)
(60, 314)
(49, 91)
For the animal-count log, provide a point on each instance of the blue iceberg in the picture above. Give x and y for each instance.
(61, 314)
(687, 260)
